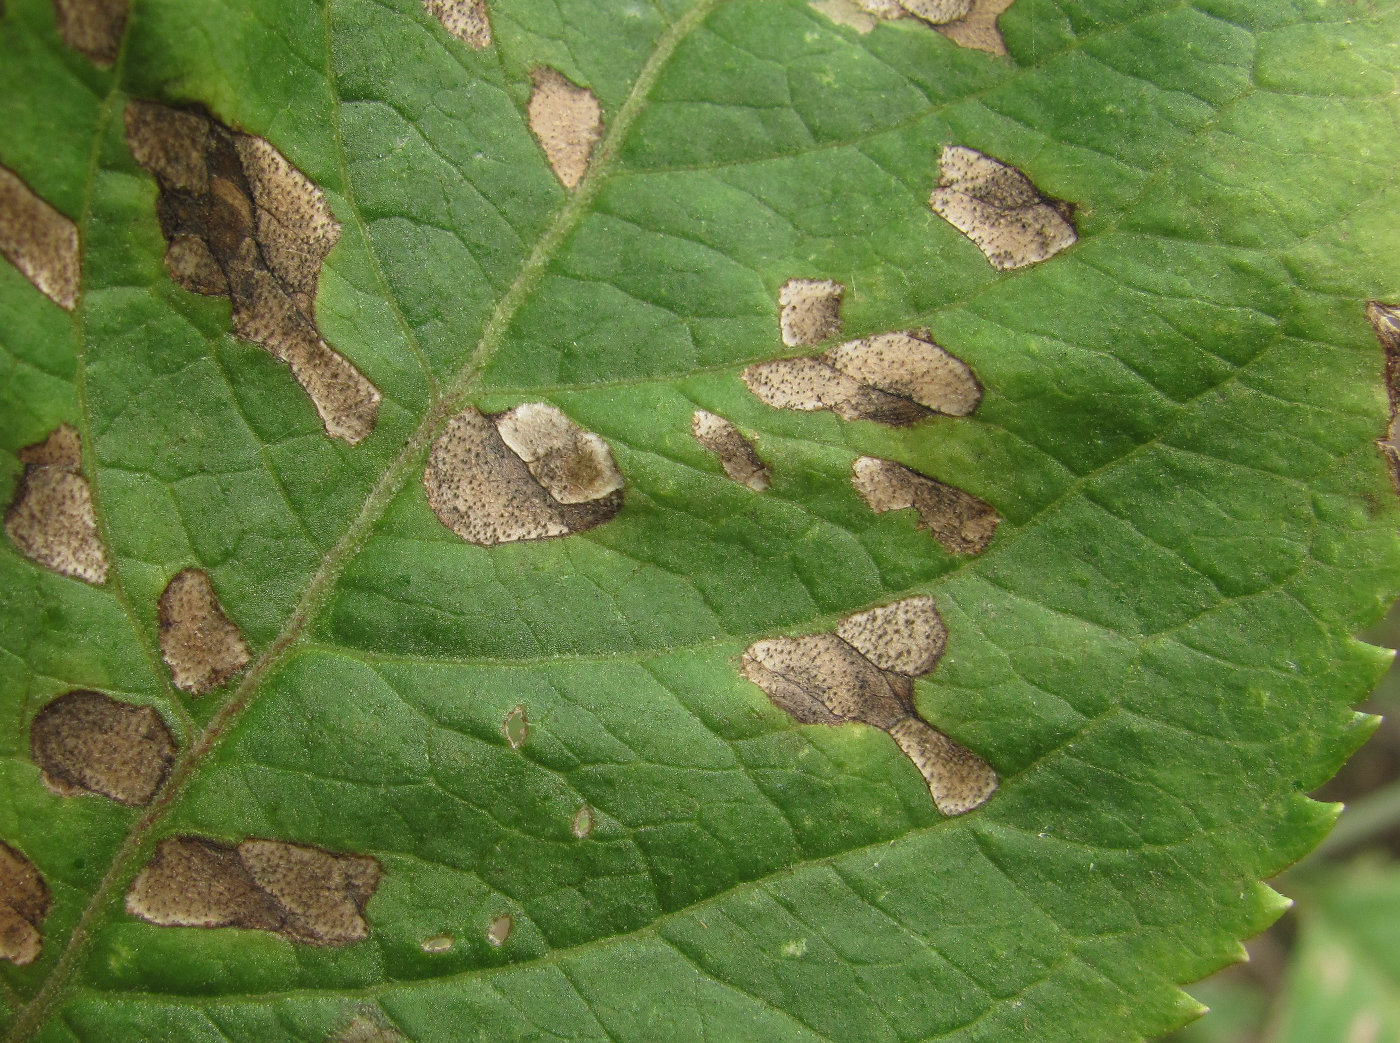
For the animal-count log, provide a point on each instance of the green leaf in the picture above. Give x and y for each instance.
(1176, 428)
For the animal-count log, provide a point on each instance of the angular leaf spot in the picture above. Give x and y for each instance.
(864, 673)
(978, 30)
(516, 727)
(39, 241)
(465, 19)
(93, 28)
(51, 519)
(810, 311)
(999, 209)
(583, 822)
(736, 453)
(499, 931)
(86, 742)
(853, 14)
(24, 902)
(568, 121)
(937, 12)
(960, 521)
(529, 474)
(243, 223)
(306, 894)
(892, 378)
(438, 943)
(368, 1029)
(200, 644)
(1385, 320)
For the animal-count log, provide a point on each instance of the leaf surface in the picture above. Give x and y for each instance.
(1177, 429)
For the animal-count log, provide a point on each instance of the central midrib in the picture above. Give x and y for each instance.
(352, 540)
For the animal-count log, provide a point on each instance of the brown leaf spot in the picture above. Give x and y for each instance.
(243, 223)
(736, 453)
(568, 121)
(86, 742)
(304, 893)
(39, 241)
(892, 378)
(810, 311)
(51, 519)
(978, 29)
(960, 521)
(499, 931)
(200, 644)
(937, 12)
(999, 209)
(24, 902)
(864, 673)
(93, 28)
(465, 19)
(1385, 320)
(529, 474)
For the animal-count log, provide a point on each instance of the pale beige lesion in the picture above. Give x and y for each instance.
(200, 644)
(468, 20)
(243, 223)
(968, 23)
(809, 311)
(568, 122)
(304, 893)
(736, 453)
(52, 519)
(38, 240)
(961, 522)
(863, 672)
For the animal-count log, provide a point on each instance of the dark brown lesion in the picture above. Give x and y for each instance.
(1385, 320)
(93, 28)
(243, 223)
(87, 742)
(24, 903)
(863, 672)
(304, 893)
(961, 522)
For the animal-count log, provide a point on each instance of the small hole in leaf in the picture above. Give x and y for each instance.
(583, 822)
(438, 943)
(516, 727)
(500, 929)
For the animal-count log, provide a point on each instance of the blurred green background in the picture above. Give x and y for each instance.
(1329, 970)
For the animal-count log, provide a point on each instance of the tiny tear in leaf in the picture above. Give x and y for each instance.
(304, 893)
(39, 241)
(87, 742)
(567, 120)
(465, 19)
(998, 208)
(516, 727)
(24, 902)
(52, 520)
(200, 644)
(499, 931)
(438, 943)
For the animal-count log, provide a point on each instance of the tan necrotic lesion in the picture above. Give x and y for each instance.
(87, 742)
(39, 241)
(568, 122)
(24, 903)
(243, 223)
(93, 28)
(52, 519)
(863, 672)
(736, 453)
(200, 644)
(468, 20)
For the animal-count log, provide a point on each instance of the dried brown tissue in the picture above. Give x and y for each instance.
(736, 453)
(961, 522)
(972, 25)
(39, 241)
(892, 378)
(567, 120)
(468, 20)
(304, 893)
(52, 519)
(527, 474)
(1385, 321)
(809, 311)
(200, 644)
(93, 28)
(243, 223)
(24, 903)
(87, 742)
(864, 672)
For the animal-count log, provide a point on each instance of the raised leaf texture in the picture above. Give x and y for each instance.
(567, 812)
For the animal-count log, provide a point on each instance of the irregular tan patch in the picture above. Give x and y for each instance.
(52, 520)
(568, 121)
(368, 1028)
(24, 902)
(39, 241)
(241, 222)
(864, 673)
(892, 378)
(810, 311)
(86, 742)
(1385, 320)
(529, 474)
(937, 12)
(465, 19)
(93, 28)
(304, 893)
(978, 29)
(499, 931)
(999, 209)
(200, 644)
(960, 521)
(736, 453)
(850, 13)
(583, 822)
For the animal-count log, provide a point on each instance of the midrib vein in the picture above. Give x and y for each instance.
(493, 335)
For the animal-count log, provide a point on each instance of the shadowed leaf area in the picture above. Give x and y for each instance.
(538, 501)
